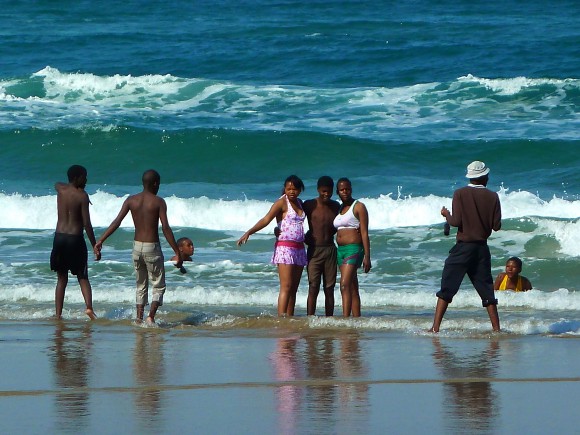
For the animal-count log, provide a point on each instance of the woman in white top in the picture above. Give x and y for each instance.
(354, 246)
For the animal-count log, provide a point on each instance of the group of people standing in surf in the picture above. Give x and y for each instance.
(326, 217)
(476, 213)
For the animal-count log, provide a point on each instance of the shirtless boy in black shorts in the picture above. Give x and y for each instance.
(69, 250)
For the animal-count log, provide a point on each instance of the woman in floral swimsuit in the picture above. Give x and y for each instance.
(289, 253)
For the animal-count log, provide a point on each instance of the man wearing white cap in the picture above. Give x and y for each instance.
(476, 212)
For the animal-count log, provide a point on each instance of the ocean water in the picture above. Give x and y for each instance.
(226, 99)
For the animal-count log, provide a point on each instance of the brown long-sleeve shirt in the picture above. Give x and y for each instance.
(475, 211)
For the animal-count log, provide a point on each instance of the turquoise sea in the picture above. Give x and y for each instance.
(226, 99)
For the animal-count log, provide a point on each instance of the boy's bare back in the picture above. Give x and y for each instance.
(72, 209)
(146, 210)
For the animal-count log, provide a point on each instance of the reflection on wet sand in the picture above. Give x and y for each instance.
(149, 372)
(354, 400)
(473, 405)
(288, 396)
(322, 392)
(71, 357)
(320, 363)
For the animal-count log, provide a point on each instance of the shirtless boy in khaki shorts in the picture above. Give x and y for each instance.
(147, 209)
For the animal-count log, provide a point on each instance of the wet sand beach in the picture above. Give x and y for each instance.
(103, 377)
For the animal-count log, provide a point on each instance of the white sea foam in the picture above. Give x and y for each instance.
(567, 233)
(78, 99)
(386, 211)
(408, 311)
(222, 296)
(232, 293)
(162, 89)
(511, 86)
(45, 293)
(108, 89)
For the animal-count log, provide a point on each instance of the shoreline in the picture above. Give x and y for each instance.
(102, 377)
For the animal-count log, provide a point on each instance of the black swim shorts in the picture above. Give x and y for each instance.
(69, 252)
(473, 259)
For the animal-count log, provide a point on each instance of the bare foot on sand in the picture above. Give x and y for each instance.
(89, 312)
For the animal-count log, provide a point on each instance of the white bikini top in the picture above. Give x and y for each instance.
(347, 220)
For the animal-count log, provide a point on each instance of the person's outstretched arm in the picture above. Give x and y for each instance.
(276, 210)
(88, 226)
(168, 233)
(114, 225)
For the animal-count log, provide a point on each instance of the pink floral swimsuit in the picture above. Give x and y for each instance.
(289, 248)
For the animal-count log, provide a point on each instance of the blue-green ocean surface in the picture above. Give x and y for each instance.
(226, 99)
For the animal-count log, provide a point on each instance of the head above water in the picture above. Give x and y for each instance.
(185, 246)
(151, 180)
(183, 240)
(516, 261)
